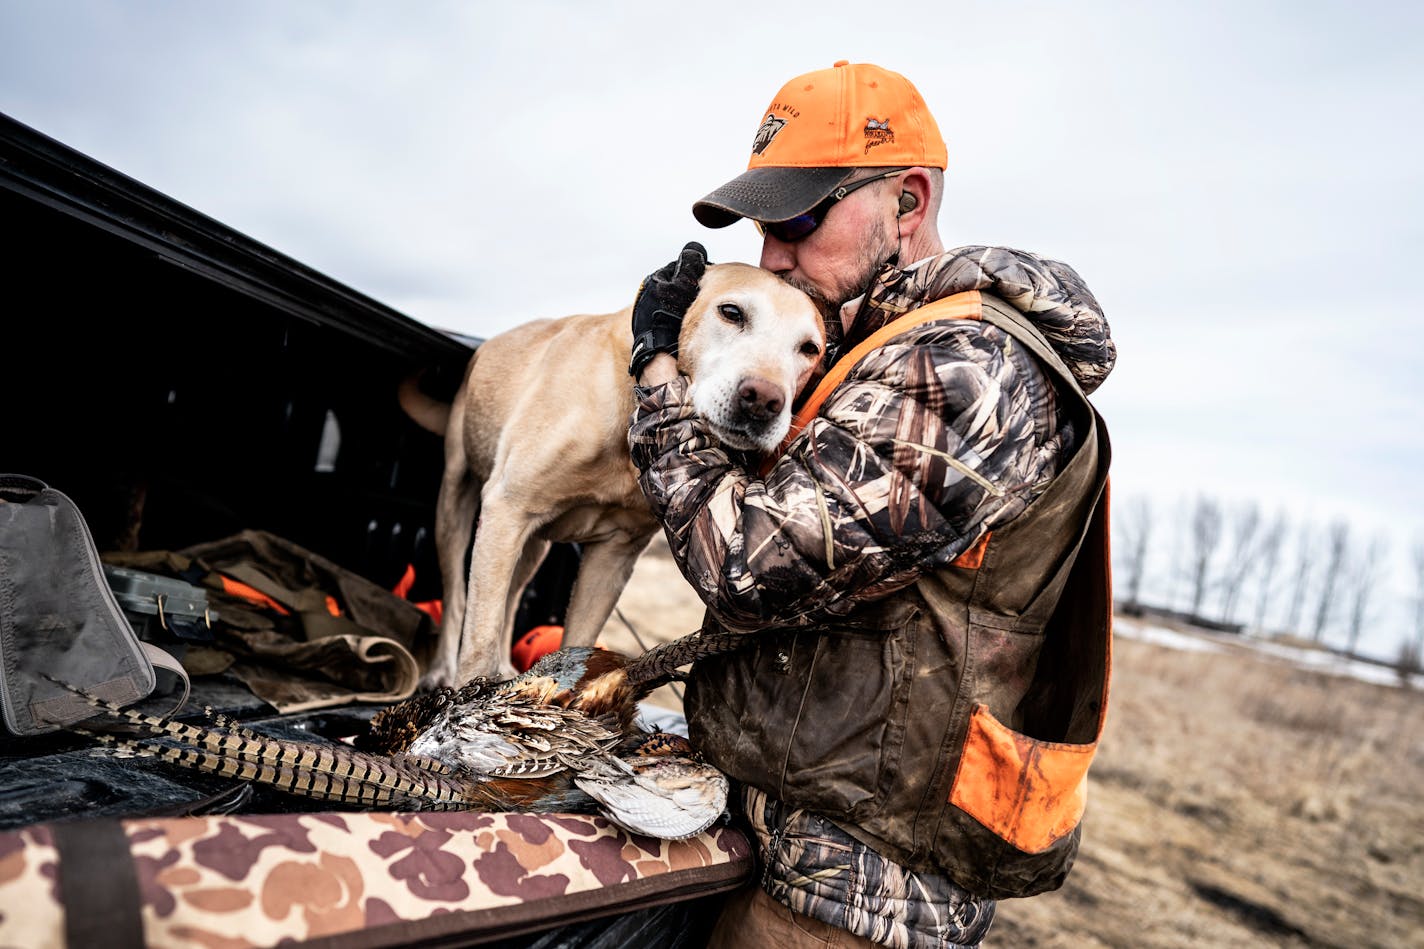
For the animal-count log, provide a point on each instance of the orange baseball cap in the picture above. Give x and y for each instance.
(818, 129)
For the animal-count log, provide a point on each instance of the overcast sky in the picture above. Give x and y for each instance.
(1238, 182)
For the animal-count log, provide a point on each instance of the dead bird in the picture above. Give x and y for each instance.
(562, 736)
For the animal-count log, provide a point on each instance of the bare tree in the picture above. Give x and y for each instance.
(1304, 564)
(1206, 534)
(1135, 526)
(1338, 541)
(1419, 598)
(1363, 579)
(1177, 569)
(1268, 558)
(1245, 521)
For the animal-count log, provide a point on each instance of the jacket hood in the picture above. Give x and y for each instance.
(1049, 293)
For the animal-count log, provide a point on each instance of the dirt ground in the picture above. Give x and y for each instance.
(1236, 800)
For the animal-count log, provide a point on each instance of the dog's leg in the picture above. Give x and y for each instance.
(457, 510)
(504, 531)
(604, 570)
(534, 553)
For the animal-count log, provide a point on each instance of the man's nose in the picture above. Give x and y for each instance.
(777, 256)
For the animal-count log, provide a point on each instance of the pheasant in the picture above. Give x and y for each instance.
(560, 737)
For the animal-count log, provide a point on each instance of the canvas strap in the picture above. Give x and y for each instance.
(98, 884)
(163, 659)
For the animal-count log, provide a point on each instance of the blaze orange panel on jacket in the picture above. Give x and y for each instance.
(1031, 793)
(973, 558)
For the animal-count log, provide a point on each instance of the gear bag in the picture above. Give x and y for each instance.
(61, 627)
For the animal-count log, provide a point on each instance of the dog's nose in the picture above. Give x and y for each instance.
(759, 399)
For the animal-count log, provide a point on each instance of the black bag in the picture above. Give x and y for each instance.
(59, 619)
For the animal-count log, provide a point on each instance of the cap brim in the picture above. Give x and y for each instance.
(769, 195)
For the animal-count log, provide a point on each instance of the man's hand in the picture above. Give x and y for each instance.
(661, 303)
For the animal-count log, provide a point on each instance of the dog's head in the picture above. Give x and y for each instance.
(749, 342)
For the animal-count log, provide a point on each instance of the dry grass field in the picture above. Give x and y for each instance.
(1237, 800)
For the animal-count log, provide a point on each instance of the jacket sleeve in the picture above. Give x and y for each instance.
(932, 440)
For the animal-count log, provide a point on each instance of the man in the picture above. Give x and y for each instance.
(921, 575)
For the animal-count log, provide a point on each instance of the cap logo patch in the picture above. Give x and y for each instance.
(769, 127)
(877, 132)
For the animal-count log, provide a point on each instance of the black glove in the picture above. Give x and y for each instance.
(661, 303)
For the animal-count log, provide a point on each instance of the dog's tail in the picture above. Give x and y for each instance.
(429, 413)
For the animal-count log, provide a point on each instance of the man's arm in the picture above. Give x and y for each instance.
(934, 439)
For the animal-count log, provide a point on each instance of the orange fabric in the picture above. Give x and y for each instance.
(851, 115)
(238, 588)
(537, 643)
(404, 584)
(435, 609)
(1029, 792)
(534, 644)
(959, 306)
(254, 595)
(973, 558)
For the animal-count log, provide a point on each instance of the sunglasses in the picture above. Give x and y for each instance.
(800, 227)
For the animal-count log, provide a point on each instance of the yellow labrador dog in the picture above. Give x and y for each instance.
(536, 450)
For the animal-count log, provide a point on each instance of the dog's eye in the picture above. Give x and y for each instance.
(732, 314)
(809, 348)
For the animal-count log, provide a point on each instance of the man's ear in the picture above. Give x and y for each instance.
(914, 200)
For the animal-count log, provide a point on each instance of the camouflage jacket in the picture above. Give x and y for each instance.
(946, 432)
(931, 441)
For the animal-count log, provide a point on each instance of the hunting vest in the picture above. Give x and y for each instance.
(950, 725)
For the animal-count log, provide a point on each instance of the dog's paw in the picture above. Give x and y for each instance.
(438, 677)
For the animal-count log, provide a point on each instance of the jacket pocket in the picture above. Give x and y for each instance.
(1030, 793)
(846, 723)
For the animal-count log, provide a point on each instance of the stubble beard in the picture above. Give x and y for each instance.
(871, 258)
